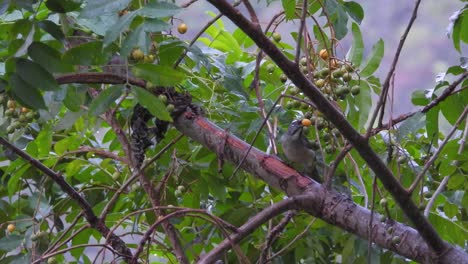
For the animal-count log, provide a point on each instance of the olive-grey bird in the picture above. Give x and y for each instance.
(298, 150)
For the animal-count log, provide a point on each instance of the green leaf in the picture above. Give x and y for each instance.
(63, 6)
(66, 144)
(90, 53)
(456, 34)
(44, 141)
(35, 75)
(28, 95)
(355, 11)
(336, 13)
(452, 107)
(170, 51)
(410, 126)
(464, 27)
(136, 38)
(155, 25)
(8, 243)
(449, 230)
(158, 75)
(53, 29)
(105, 99)
(289, 7)
(122, 25)
(159, 10)
(74, 98)
(419, 98)
(95, 8)
(12, 185)
(357, 49)
(148, 100)
(374, 59)
(48, 57)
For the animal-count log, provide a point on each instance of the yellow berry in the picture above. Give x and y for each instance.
(137, 54)
(182, 28)
(323, 54)
(11, 104)
(11, 228)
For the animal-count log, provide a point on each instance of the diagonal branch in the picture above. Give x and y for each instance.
(361, 144)
(328, 205)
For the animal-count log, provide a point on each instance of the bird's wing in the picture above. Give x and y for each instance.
(307, 143)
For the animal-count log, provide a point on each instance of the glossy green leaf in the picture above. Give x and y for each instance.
(452, 107)
(336, 13)
(354, 10)
(100, 7)
(63, 6)
(74, 98)
(91, 53)
(289, 7)
(158, 75)
(155, 25)
(122, 25)
(15, 179)
(151, 102)
(419, 98)
(464, 27)
(35, 75)
(11, 242)
(48, 57)
(137, 38)
(105, 99)
(357, 49)
(27, 94)
(410, 126)
(448, 229)
(53, 29)
(159, 9)
(374, 59)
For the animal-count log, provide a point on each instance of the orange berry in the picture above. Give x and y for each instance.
(306, 122)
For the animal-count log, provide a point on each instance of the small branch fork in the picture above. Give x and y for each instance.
(95, 222)
(383, 96)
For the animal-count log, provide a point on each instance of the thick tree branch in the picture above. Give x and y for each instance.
(279, 175)
(292, 70)
(328, 205)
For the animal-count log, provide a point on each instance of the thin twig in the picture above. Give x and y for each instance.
(301, 31)
(296, 238)
(446, 93)
(256, 136)
(273, 235)
(386, 85)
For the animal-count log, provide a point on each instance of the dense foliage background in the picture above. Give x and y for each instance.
(81, 83)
